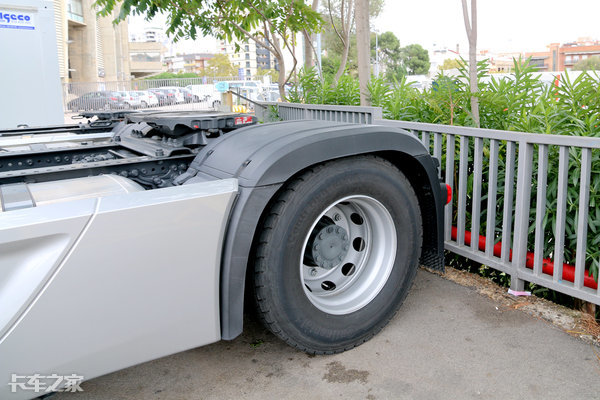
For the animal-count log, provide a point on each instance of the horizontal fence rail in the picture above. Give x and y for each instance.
(521, 201)
(294, 111)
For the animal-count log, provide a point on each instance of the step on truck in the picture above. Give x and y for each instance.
(132, 236)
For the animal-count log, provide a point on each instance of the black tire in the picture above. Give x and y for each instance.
(282, 302)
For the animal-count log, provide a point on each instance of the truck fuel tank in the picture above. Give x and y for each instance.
(25, 195)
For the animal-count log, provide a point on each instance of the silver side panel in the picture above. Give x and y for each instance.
(95, 285)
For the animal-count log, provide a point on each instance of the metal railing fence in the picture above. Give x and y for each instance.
(521, 201)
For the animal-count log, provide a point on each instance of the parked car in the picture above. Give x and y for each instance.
(189, 97)
(101, 100)
(130, 99)
(161, 96)
(148, 98)
(177, 91)
(165, 96)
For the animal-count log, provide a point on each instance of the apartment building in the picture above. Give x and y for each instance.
(90, 48)
(562, 57)
(194, 63)
(249, 58)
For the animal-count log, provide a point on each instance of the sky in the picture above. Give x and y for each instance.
(503, 26)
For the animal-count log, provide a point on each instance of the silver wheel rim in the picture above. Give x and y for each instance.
(348, 255)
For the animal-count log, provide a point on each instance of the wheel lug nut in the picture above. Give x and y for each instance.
(345, 237)
(329, 230)
(313, 272)
(338, 230)
(345, 247)
(316, 247)
(337, 217)
(339, 258)
(321, 236)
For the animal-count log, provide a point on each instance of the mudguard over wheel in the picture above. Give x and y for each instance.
(337, 254)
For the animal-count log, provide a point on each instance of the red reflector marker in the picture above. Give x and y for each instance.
(448, 194)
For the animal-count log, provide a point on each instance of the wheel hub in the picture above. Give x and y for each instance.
(330, 246)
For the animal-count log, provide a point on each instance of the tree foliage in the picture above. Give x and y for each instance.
(338, 32)
(416, 59)
(390, 55)
(274, 74)
(173, 75)
(272, 24)
(220, 65)
(589, 64)
(450, 63)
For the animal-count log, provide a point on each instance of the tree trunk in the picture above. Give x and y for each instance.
(363, 44)
(308, 53)
(308, 40)
(471, 28)
(346, 20)
(343, 62)
(282, 77)
(281, 62)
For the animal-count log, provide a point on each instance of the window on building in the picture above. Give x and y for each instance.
(145, 57)
(568, 59)
(247, 56)
(247, 48)
(247, 64)
(75, 10)
(248, 73)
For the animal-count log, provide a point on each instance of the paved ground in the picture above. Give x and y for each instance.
(447, 342)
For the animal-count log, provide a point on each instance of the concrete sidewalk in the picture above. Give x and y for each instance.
(447, 342)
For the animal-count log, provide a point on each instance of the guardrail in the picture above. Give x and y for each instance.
(500, 183)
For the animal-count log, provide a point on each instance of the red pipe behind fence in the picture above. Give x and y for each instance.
(547, 264)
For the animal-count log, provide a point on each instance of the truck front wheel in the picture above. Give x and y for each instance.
(337, 254)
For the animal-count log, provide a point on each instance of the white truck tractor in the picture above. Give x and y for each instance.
(140, 234)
